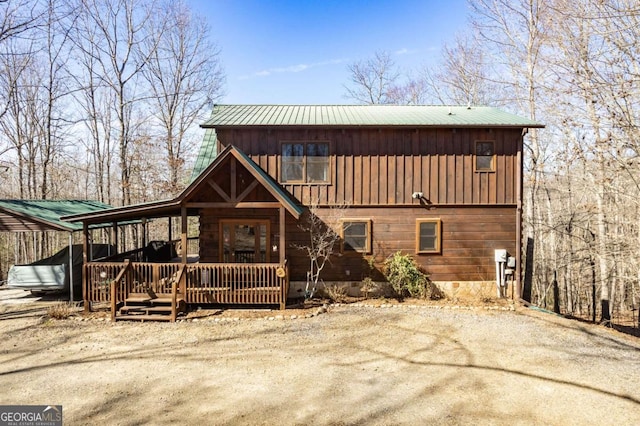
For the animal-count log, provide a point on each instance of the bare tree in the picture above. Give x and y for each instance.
(34, 123)
(322, 228)
(372, 79)
(18, 18)
(185, 76)
(463, 76)
(412, 92)
(513, 36)
(115, 34)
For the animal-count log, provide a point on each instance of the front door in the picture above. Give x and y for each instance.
(244, 241)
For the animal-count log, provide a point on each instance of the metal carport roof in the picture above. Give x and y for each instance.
(44, 215)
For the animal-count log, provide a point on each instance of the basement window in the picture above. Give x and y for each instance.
(356, 235)
(428, 235)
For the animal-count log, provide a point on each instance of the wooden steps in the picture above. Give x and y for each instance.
(150, 306)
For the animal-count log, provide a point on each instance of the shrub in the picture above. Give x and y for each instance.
(60, 311)
(368, 287)
(405, 276)
(336, 293)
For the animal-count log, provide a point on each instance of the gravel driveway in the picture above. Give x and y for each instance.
(352, 365)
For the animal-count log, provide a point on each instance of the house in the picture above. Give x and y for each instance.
(443, 183)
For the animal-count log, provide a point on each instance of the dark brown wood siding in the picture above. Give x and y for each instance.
(469, 237)
(470, 234)
(385, 166)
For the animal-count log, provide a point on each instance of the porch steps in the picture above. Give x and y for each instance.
(149, 307)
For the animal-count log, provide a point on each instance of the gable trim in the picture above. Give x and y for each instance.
(260, 175)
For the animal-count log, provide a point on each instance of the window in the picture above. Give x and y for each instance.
(356, 235)
(305, 162)
(428, 235)
(484, 156)
(244, 240)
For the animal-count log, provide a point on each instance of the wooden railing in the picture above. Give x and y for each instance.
(140, 277)
(117, 286)
(203, 283)
(236, 283)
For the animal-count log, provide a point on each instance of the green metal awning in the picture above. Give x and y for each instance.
(44, 215)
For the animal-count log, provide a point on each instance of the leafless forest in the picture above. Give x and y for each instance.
(101, 100)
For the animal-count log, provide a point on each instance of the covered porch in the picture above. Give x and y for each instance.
(241, 246)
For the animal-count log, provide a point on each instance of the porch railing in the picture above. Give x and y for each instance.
(214, 283)
(139, 277)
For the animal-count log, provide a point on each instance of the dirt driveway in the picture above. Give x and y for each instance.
(352, 365)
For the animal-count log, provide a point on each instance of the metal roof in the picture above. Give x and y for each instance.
(44, 215)
(364, 115)
(208, 152)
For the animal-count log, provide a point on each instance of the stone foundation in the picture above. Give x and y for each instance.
(455, 290)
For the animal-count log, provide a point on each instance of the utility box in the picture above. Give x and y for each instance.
(511, 262)
(501, 255)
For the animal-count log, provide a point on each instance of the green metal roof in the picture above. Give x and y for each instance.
(208, 152)
(44, 215)
(364, 115)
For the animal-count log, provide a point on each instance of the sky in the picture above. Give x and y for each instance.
(297, 52)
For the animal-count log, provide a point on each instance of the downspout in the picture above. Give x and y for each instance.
(519, 192)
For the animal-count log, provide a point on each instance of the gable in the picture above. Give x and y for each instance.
(233, 178)
(230, 182)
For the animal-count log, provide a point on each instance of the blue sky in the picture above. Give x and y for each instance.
(290, 52)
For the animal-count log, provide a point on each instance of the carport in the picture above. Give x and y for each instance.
(44, 215)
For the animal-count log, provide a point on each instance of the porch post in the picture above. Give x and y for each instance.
(71, 266)
(282, 235)
(144, 232)
(85, 284)
(183, 237)
(114, 232)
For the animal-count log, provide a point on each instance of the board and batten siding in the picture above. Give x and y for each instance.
(371, 166)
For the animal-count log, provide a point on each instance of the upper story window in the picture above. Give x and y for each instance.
(305, 162)
(356, 235)
(485, 156)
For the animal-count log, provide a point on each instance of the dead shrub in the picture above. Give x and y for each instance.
(370, 288)
(60, 311)
(336, 293)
